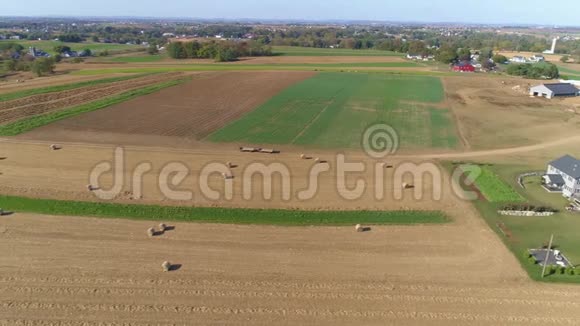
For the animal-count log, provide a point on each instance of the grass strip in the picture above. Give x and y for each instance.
(27, 124)
(219, 215)
(495, 189)
(60, 88)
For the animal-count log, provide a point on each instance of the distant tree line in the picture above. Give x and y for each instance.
(71, 38)
(220, 51)
(403, 39)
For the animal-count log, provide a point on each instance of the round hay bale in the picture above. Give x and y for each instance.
(317, 160)
(151, 232)
(302, 156)
(230, 165)
(166, 266)
(405, 186)
(359, 228)
(90, 187)
(162, 227)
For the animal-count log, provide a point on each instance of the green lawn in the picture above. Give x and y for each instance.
(301, 51)
(27, 124)
(219, 215)
(60, 88)
(48, 46)
(332, 110)
(533, 232)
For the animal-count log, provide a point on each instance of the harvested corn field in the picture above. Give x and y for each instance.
(259, 275)
(17, 109)
(191, 110)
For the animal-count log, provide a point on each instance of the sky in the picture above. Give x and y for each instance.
(555, 12)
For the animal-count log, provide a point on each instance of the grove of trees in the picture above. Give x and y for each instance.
(219, 51)
(543, 70)
(43, 66)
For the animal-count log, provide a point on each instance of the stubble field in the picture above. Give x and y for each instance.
(68, 270)
(498, 112)
(71, 270)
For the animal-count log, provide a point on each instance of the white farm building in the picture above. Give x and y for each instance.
(553, 90)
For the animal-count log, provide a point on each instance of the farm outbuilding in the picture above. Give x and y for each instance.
(553, 90)
(464, 67)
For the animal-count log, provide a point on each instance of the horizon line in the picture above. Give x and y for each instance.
(296, 20)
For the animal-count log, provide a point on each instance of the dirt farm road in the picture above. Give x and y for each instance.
(438, 155)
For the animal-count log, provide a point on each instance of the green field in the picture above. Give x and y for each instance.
(60, 88)
(494, 189)
(27, 124)
(332, 110)
(533, 232)
(569, 70)
(569, 73)
(48, 46)
(219, 215)
(301, 51)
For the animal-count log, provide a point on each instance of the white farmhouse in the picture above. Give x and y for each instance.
(563, 175)
(518, 59)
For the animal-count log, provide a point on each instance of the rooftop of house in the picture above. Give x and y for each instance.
(569, 165)
(556, 179)
(561, 88)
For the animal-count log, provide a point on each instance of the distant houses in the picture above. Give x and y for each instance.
(37, 53)
(420, 57)
(537, 58)
(518, 59)
(554, 90)
(75, 54)
(533, 59)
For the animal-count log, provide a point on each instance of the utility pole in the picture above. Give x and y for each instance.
(547, 255)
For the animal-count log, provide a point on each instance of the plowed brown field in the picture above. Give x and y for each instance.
(191, 110)
(43, 103)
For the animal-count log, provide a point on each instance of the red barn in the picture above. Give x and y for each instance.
(464, 67)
